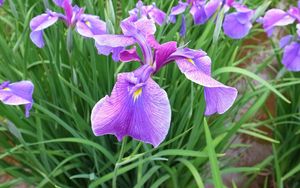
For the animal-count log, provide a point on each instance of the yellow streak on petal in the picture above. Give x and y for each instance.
(136, 94)
(88, 23)
(5, 89)
(191, 61)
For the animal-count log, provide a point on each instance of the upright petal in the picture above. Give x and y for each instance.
(67, 6)
(291, 57)
(163, 53)
(140, 31)
(19, 93)
(198, 13)
(219, 97)
(276, 17)
(211, 7)
(139, 110)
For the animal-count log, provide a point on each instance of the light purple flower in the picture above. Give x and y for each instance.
(276, 17)
(290, 43)
(1, 2)
(85, 24)
(202, 10)
(19, 93)
(138, 107)
(237, 25)
(291, 57)
(150, 12)
(177, 10)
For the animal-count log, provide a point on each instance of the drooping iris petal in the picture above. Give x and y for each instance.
(291, 57)
(219, 97)
(90, 25)
(237, 25)
(38, 24)
(139, 110)
(19, 93)
(276, 17)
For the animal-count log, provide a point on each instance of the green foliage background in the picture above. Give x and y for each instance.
(55, 147)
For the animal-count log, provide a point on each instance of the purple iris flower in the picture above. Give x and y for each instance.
(138, 107)
(237, 25)
(202, 10)
(150, 11)
(276, 17)
(177, 10)
(290, 44)
(1, 2)
(19, 93)
(85, 24)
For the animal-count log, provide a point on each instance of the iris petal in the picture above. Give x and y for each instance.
(19, 93)
(219, 97)
(141, 111)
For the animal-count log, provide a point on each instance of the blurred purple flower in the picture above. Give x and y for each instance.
(202, 10)
(150, 11)
(291, 57)
(237, 25)
(177, 10)
(276, 17)
(19, 93)
(137, 100)
(1, 2)
(85, 24)
(289, 43)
